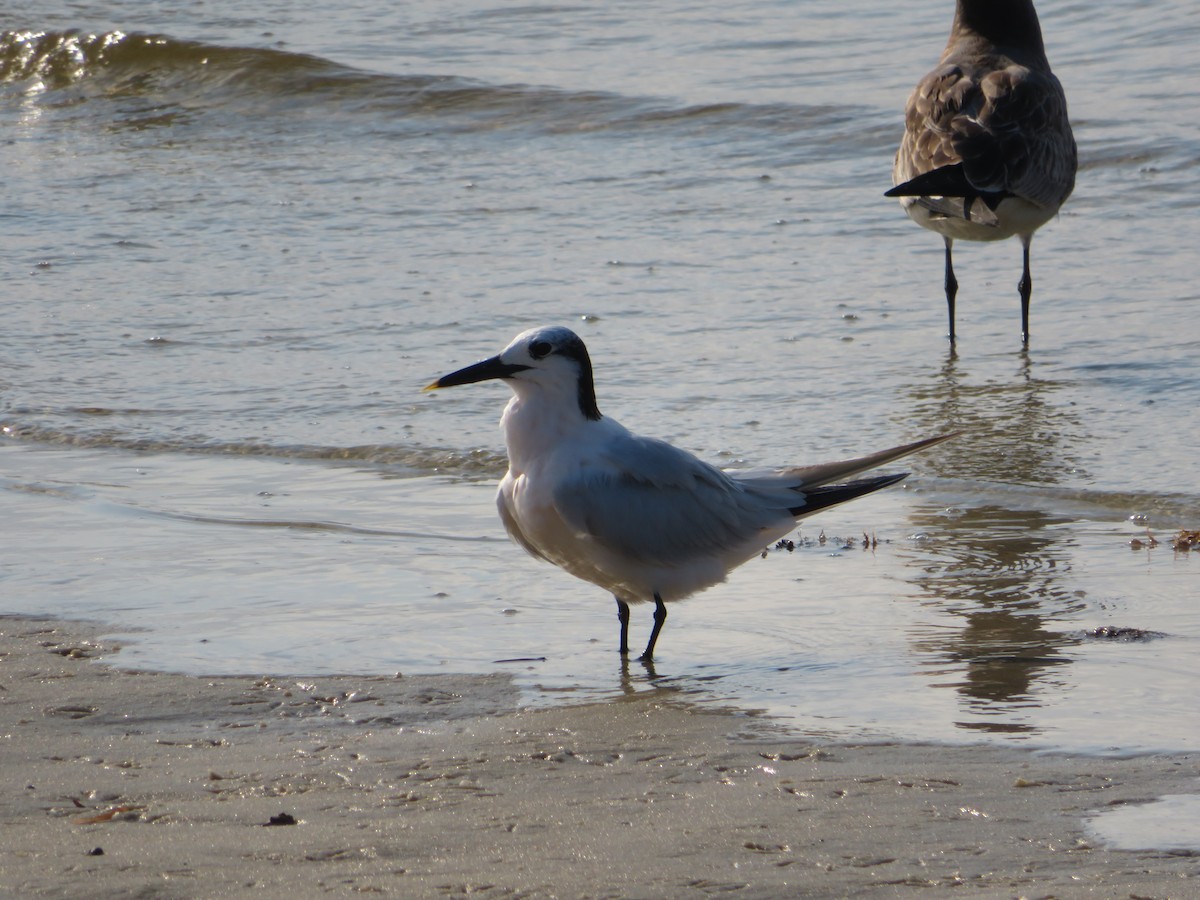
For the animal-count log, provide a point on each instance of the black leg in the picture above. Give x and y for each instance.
(660, 616)
(1025, 286)
(623, 618)
(951, 285)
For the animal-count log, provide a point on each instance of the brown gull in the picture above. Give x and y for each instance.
(987, 151)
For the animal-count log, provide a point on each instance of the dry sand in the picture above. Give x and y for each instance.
(122, 784)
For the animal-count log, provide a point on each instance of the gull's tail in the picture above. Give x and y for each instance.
(832, 494)
(946, 191)
(947, 181)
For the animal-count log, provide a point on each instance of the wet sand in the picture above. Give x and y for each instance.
(121, 784)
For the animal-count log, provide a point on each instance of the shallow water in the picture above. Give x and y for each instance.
(238, 244)
(1168, 824)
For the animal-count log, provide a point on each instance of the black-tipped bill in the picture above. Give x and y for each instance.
(480, 371)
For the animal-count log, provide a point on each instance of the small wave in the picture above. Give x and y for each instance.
(143, 61)
(414, 460)
(117, 64)
(61, 67)
(1053, 504)
(167, 70)
(313, 526)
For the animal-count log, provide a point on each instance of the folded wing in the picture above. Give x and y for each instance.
(996, 133)
(662, 506)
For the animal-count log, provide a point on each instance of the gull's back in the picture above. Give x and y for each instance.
(994, 105)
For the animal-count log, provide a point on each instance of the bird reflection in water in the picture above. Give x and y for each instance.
(1014, 432)
(1002, 574)
(999, 573)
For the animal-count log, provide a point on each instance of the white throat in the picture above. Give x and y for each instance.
(537, 420)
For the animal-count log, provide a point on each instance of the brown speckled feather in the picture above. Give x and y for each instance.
(1008, 127)
(998, 110)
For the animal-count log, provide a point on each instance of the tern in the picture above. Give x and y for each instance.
(639, 517)
(987, 151)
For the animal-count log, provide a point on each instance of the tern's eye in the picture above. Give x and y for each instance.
(540, 349)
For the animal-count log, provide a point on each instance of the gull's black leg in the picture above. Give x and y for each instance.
(660, 616)
(951, 285)
(623, 618)
(1025, 286)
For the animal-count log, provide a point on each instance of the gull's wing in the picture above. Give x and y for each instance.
(927, 143)
(1019, 142)
(660, 505)
(1007, 128)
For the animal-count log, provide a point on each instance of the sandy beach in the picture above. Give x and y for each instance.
(122, 784)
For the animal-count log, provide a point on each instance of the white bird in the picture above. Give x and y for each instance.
(634, 515)
(987, 151)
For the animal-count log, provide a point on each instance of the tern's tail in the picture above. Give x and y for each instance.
(816, 498)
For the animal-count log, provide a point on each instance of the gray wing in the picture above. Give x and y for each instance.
(797, 478)
(660, 505)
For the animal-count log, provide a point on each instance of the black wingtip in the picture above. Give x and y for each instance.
(832, 494)
(947, 181)
(952, 182)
